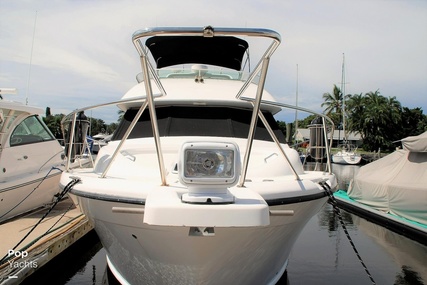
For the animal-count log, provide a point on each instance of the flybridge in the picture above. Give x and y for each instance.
(220, 46)
(158, 47)
(231, 57)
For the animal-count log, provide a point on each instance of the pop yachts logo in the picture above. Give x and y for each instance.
(19, 263)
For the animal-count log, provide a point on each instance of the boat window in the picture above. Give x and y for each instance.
(198, 121)
(30, 130)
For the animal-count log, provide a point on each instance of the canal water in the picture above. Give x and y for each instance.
(321, 255)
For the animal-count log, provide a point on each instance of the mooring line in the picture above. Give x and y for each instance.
(67, 188)
(35, 188)
(337, 211)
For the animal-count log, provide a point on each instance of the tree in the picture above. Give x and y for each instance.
(413, 122)
(375, 117)
(304, 123)
(333, 102)
(53, 122)
(334, 105)
(112, 127)
(355, 110)
(97, 126)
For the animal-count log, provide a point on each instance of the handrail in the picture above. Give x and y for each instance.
(73, 127)
(274, 137)
(197, 31)
(256, 107)
(326, 141)
(323, 116)
(256, 70)
(74, 119)
(261, 116)
(153, 116)
(125, 136)
(128, 100)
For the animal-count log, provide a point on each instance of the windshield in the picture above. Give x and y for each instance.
(30, 130)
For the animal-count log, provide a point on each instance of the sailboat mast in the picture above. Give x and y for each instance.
(31, 61)
(296, 110)
(343, 96)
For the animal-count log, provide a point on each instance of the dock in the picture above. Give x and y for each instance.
(61, 228)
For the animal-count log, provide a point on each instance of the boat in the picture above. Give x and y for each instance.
(346, 153)
(30, 160)
(99, 140)
(393, 189)
(197, 185)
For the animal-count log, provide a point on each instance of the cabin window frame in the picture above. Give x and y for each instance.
(29, 131)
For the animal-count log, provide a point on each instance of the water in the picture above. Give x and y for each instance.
(321, 255)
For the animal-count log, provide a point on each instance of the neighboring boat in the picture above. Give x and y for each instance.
(29, 160)
(346, 153)
(99, 140)
(198, 188)
(394, 188)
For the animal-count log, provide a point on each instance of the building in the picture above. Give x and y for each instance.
(338, 136)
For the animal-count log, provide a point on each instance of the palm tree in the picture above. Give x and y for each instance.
(121, 113)
(380, 117)
(334, 105)
(333, 102)
(394, 109)
(355, 109)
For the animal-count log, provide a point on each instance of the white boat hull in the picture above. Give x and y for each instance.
(29, 160)
(346, 159)
(347, 154)
(139, 253)
(38, 189)
(152, 237)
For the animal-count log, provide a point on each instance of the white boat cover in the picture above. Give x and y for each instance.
(396, 183)
(416, 143)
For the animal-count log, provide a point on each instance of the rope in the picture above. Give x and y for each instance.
(51, 229)
(337, 211)
(35, 188)
(67, 188)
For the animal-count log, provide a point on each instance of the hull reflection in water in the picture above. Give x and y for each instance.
(409, 255)
(324, 249)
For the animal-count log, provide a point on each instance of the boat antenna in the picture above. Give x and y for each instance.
(31, 60)
(343, 96)
(296, 111)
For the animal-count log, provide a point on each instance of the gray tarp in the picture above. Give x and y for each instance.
(396, 183)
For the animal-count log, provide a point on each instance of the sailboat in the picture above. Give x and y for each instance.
(346, 153)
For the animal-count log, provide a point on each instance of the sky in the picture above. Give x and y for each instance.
(71, 54)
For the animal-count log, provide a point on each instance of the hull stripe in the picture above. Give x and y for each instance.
(136, 201)
(29, 182)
